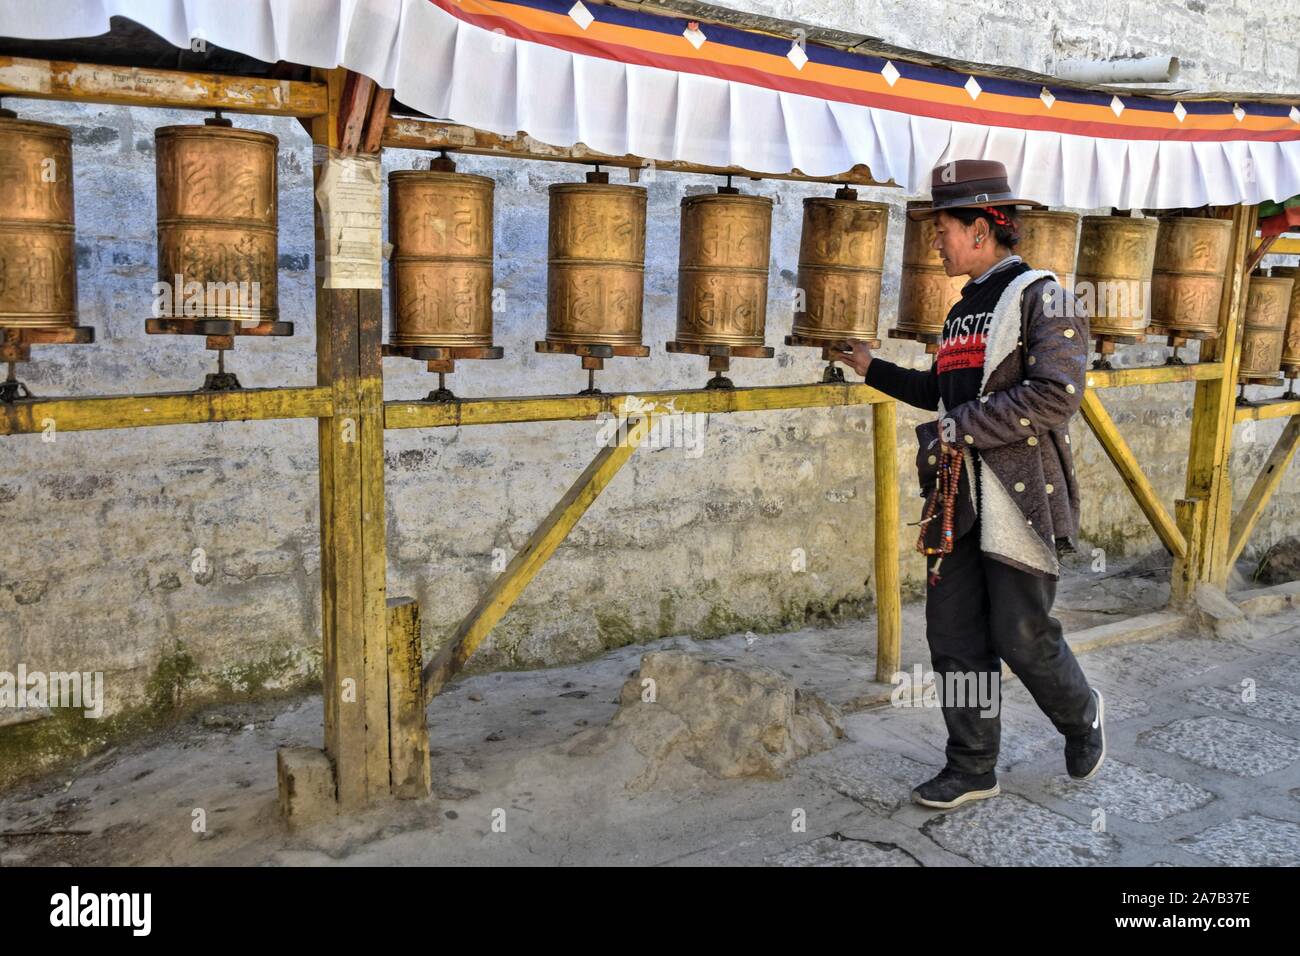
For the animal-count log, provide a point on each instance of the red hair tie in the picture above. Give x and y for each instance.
(1000, 218)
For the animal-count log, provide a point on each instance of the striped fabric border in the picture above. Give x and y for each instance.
(762, 60)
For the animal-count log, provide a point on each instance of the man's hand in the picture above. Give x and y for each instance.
(854, 353)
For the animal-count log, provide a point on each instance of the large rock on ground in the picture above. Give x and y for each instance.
(682, 714)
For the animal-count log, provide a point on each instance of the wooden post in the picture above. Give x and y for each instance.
(353, 561)
(1213, 414)
(1190, 515)
(889, 610)
(1266, 482)
(408, 729)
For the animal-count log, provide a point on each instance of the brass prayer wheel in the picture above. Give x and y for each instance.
(596, 263)
(1050, 240)
(1113, 276)
(1267, 303)
(38, 275)
(1187, 277)
(841, 256)
(440, 225)
(1291, 340)
(217, 222)
(722, 269)
(926, 293)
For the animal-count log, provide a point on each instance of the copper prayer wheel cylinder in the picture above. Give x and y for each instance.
(1267, 303)
(1113, 276)
(38, 274)
(841, 256)
(217, 221)
(596, 263)
(440, 224)
(1187, 278)
(1291, 340)
(926, 293)
(1050, 240)
(722, 269)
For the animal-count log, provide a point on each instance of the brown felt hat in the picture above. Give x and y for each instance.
(967, 184)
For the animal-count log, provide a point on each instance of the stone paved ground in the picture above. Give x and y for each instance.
(1199, 772)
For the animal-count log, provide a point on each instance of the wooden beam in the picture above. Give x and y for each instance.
(170, 89)
(168, 408)
(1121, 456)
(355, 107)
(1279, 408)
(505, 590)
(1266, 483)
(378, 116)
(550, 408)
(1286, 246)
(353, 601)
(406, 133)
(889, 609)
(1260, 252)
(1155, 375)
(1214, 410)
(408, 728)
(1190, 515)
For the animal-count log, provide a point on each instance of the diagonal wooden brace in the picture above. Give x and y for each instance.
(1266, 482)
(505, 590)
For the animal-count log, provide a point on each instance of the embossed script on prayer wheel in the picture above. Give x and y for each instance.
(596, 264)
(1187, 278)
(1291, 339)
(1264, 321)
(1050, 240)
(722, 269)
(1113, 278)
(38, 276)
(440, 224)
(926, 292)
(217, 222)
(841, 255)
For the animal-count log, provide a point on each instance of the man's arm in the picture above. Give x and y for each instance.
(1056, 349)
(916, 388)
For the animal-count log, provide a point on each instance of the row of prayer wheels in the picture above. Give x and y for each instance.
(217, 250)
(441, 288)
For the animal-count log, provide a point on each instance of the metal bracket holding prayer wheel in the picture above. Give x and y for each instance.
(720, 357)
(442, 359)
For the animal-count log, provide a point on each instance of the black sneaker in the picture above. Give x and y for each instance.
(951, 788)
(1084, 753)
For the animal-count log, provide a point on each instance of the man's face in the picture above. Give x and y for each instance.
(955, 243)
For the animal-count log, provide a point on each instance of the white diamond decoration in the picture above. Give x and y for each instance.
(973, 88)
(1116, 105)
(797, 56)
(1180, 111)
(1047, 97)
(696, 37)
(581, 15)
(891, 74)
(1238, 112)
(1295, 114)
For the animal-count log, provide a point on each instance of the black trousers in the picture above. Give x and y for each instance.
(982, 612)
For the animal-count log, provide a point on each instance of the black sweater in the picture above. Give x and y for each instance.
(958, 367)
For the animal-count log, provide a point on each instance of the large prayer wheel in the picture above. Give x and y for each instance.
(38, 276)
(1291, 339)
(440, 225)
(596, 271)
(1050, 240)
(217, 222)
(722, 269)
(1267, 303)
(926, 293)
(1187, 276)
(1113, 277)
(841, 256)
